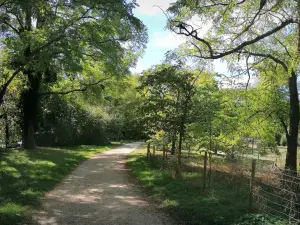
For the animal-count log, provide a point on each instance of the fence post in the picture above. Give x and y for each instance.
(205, 171)
(252, 186)
(148, 151)
(153, 149)
(209, 173)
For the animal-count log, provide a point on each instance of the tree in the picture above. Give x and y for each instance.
(54, 42)
(255, 33)
(169, 92)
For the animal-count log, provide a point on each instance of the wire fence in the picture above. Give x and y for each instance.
(278, 196)
(272, 190)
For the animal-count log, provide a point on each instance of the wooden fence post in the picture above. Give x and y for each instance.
(153, 149)
(209, 173)
(148, 151)
(164, 152)
(205, 171)
(252, 186)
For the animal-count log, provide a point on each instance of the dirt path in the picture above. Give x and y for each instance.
(99, 192)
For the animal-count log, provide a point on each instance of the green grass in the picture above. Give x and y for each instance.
(221, 203)
(225, 200)
(25, 176)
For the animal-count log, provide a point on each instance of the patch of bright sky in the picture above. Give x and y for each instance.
(160, 39)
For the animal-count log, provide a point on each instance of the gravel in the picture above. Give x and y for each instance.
(100, 191)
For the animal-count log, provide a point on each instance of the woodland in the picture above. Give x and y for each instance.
(66, 81)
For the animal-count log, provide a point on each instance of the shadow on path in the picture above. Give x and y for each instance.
(99, 192)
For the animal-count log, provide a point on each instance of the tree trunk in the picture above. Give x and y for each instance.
(205, 171)
(148, 151)
(6, 130)
(292, 136)
(153, 148)
(173, 145)
(178, 172)
(30, 102)
(164, 151)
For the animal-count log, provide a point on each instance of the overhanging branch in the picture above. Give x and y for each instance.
(81, 89)
(3, 87)
(189, 31)
(276, 60)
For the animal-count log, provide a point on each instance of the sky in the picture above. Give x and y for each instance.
(160, 39)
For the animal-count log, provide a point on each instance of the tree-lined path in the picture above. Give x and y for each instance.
(99, 192)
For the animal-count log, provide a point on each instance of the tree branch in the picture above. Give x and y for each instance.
(3, 3)
(184, 30)
(220, 4)
(284, 125)
(248, 71)
(276, 60)
(13, 28)
(82, 89)
(3, 88)
(286, 49)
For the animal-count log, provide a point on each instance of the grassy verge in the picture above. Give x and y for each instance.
(26, 175)
(225, 201)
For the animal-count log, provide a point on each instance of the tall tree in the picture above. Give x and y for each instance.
(54, 41)
(256, 32)
(169, 105)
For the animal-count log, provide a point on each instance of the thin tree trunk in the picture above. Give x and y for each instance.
(173, 145)
(6, 131)
(209, 174)
(148, 151)
(178, 172)
(205, 171)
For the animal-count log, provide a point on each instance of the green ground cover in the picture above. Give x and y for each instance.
(25, 176)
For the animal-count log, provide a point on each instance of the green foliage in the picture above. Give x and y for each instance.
(184, 199)
(65, 123)
(270, 55)
(260, 219)
(64, 47)
(25, 176)
(174, 98)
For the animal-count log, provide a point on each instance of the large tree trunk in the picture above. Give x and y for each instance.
(30, 102)
(292, 137)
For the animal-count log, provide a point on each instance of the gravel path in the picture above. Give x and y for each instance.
(100, 192)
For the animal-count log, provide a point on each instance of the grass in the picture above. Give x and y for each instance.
(25, 176)
(221, 203)
(225, 201)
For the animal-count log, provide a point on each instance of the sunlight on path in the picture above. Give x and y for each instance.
(99, 192)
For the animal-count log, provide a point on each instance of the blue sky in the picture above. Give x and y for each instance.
(160, 39)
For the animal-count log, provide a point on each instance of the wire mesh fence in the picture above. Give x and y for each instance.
(277, 192)
(271, 190)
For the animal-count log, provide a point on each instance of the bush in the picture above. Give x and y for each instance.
(63, 123)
